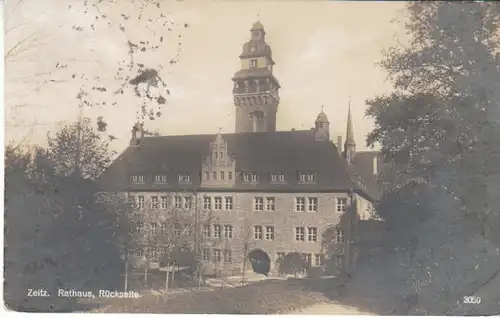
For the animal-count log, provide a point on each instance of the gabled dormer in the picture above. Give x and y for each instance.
(218, 169)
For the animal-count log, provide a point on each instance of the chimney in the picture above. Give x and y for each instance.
(293, 129)
(339, 144)
(375, 163)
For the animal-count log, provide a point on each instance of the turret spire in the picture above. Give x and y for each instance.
(350, 144)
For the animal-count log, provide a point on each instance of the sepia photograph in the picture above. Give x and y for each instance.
(252, 157)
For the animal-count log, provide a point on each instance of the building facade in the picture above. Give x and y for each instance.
(255, 191)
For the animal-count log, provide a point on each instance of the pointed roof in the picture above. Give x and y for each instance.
(349, 140)
(257, 26)
(322, 118)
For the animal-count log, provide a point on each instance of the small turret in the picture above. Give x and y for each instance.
(322, 127)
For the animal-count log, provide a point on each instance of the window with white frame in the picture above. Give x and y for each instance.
(140, 226)
(206, 230)
(229, 203)
(312, 204)
(217, 255)
(164, 202)
(270, 233)
(228, 231)
(341, 204)
(312, 234)
(318, 260)
(205, 255)
(153, 228)
(227, 256)
(258, 203)
(307, 258)
(246, 177)
(339, 235)
(229, 175)
(300, 203)
(311, 177)
(217, 231)
(161, 178)
(177, 202)
(214, 175)
(187, 202)
(255, 177)
(253, 63)
(222, 175)
(270, 203)
(140, 202)
(299, 234)
(277, 177)
(138, 179)
(257, 232)
(207, 203)
(154, 201)
(302, 177)
(218, 203)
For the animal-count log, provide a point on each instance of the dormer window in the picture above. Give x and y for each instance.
(161, 179)
(253, 63)
(307, 177)
(250, 177)
(138, 179)
(277, 177)
(184, 178)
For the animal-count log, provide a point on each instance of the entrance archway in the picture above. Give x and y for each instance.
(260, 260)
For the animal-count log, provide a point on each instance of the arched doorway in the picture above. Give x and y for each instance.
(261, 262)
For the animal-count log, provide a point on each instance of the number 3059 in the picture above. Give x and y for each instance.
(472, 300)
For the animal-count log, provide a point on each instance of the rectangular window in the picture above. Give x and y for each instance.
(217, 203)
(164, 202)
(318, 260)
(229, 175)
(312, 234)
(207, 203)
(311, 177)
(184, 178)
(138, 179)
(140, 202)
(154, 201)
(177, 202)
(228, 231)
(270, 204)
(341, 204)
(206, 230)
(277, 177)
(161, 179)
(187, 203)
(214, 175)
(299, 204)
(253, 63)
(217, 255)
(207, 175)
(163, 226)
(312, 204)
(339, 236)
(246, 177)
(217, 231)
(222, 175)
(302, 177)
(270, 233)
(205, 255)
(229, 203)
(140, 226)
(299, 234)
(255, 177)
(257, 232)
(227, 256)
(258, 203)
(153, 228)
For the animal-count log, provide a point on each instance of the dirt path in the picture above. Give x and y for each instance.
(330, 309)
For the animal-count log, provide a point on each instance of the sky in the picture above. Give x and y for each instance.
(324, 52)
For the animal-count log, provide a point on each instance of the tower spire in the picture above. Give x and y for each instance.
(350, 144)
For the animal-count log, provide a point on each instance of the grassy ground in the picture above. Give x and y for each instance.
(265, 297)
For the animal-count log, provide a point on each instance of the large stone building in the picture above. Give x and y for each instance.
(269, 191)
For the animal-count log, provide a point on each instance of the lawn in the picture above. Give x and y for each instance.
(266, 297)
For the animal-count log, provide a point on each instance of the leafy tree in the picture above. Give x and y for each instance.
(78, 149)
(292, 263)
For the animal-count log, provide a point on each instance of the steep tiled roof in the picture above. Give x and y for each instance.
(363, 166)
(288, 152)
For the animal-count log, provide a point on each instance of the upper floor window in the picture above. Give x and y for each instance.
(217, 231)
(300, 204)
(140, 226)
(222, 175)
(161, 179)
(207, 203)
(218, 203)
(177, 202)
(187, 203)
(299, 234)
(312, 234)
(184, 178)
(138, 179)
(307, 177)
(250, 177)
(228, 231)
(153, 228)
(206, 230)
(253, 63)
(205, 255)
(214, 175)
(341, 204)
(207, 175)
(154, 201)
(227, 256)
(270, 204)
(270, 233)
(258, 203)
(217, 255)
(312, 204)
(277, 177)
(339, 236)
(164, 202)
(229, 203)
(140, 201)
(257, 232)
(229, 175)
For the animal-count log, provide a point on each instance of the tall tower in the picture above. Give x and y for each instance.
(350, 144)
(255, 89)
